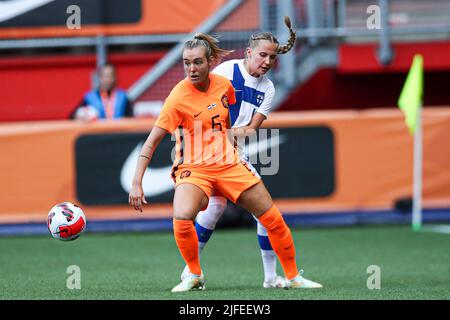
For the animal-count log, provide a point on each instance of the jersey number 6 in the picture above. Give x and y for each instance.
(216, 124)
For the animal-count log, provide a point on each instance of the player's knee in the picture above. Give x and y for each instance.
(256, 200)
(220, 202)
(184, 214)
(209, 217)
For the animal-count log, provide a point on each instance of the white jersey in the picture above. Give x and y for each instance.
(253, 94)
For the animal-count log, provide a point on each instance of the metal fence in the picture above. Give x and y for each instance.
(321, 25)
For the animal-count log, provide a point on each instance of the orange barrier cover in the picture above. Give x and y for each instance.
(373, 157)
(154, 17)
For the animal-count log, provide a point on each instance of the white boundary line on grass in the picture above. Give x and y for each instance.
(439, 228)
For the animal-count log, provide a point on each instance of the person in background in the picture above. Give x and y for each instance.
(106, 102)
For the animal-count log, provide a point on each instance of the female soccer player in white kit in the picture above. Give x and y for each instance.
(254, 95)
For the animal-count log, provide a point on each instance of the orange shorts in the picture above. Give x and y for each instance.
(229, 179)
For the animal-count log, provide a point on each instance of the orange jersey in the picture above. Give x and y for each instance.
(200, 121)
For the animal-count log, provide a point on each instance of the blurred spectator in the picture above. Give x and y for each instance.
(106, 102)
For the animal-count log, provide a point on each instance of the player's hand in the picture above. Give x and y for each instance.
(136, 197)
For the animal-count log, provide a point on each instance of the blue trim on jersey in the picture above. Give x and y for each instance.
(253, 96)
(238, 83)
(264, 242)
(203, 234)
(243, 93)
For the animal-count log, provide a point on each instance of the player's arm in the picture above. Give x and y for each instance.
(136, 196)
(250, 129)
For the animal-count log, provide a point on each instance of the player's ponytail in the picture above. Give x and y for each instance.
(292, 37)
(255, 38)
(213, 51)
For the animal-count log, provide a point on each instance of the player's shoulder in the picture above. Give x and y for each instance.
(180, 89)
(226, 68)
(178, 94)
(220, 79)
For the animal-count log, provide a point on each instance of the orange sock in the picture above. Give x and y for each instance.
(187, 242)
(280, 238)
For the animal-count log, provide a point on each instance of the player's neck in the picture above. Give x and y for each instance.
(202, 86)
(247, 68)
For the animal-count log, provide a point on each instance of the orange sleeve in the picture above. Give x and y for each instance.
(170, 118)
(231, 95)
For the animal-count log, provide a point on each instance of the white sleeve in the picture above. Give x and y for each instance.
(224, 69)
(266, 105)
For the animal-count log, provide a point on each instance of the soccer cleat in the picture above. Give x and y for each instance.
(276, 282)
(301, 283)
(187, 273)
(191, 283)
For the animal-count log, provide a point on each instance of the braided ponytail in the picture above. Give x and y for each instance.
(254, 39)
(292, 37)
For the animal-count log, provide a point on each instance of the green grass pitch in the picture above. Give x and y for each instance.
(147, 265)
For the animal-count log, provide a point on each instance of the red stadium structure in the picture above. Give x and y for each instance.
(338, 88)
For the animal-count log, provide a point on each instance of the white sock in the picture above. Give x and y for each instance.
(269, 257)
(207, 219)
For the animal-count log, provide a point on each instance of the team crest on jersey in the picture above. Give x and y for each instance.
(225, 101)
(259, 99)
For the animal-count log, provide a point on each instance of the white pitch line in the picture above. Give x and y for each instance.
(440, 228)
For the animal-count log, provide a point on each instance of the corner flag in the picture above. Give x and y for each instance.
(411, 97)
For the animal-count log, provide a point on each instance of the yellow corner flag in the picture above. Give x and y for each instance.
(411, 97)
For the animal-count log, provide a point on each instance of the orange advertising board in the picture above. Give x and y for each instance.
(371, 159)
(99, 17)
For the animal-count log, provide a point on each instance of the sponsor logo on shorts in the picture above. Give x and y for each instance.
(185, 174)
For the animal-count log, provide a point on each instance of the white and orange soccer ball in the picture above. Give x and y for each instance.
(66, 221)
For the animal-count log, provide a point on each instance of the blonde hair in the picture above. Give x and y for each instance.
(255, 38)
(213, 51)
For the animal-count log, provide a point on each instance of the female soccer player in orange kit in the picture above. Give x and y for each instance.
(254, 96)
(197, 111)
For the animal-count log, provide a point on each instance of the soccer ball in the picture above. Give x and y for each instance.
(66, 221)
